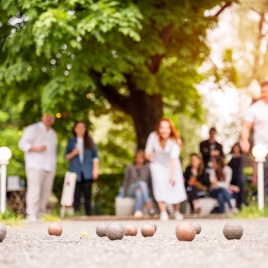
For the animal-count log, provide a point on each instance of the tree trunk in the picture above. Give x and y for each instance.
(145, 110)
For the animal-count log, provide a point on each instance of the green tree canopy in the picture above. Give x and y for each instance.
(73, 56)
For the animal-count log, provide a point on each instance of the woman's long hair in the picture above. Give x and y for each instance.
(174, 133)
(238, 145)
(201, 165)
(88, 142)
(219, 170)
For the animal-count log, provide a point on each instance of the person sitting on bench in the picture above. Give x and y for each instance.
(195, 181)
(136, 184)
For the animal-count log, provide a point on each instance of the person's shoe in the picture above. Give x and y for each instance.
(151, 212)
(234, 210)
(164, 216)
(30, 219)
(178, 216)
(197, 210)
(138, 214)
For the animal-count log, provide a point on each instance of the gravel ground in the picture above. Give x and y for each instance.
(30, 246)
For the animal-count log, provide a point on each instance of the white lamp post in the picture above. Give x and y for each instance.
(259, 152)
(5, 155)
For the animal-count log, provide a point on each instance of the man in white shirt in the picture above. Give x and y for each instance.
(39, 142)
(256, 117)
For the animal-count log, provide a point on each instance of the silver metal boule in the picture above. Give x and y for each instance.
(197, 227)
(3, 232)
(233, 230)
(115, 231)
(101, 229)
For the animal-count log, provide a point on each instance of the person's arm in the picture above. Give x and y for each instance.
(174, 155)
(95, 169)
(149, 148)
(70, 153)
(221, 150)
(26, 141)
(126, 180)
(246, 127)
(204, 150)
(213, 180)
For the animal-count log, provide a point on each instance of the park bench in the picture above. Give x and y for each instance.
(125, 206)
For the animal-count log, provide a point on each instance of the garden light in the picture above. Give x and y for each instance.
(5, 155)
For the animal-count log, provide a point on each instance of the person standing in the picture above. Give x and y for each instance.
(236, 164)
(82, 154)
(137, 182)
(163, 150)
(210, 148)
(256, 118)
(39, 142)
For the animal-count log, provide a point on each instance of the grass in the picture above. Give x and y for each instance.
(252, 212)
(11, 219)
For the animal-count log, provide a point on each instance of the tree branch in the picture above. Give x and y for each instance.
(165, 35)
(117, 100)
(227, 4)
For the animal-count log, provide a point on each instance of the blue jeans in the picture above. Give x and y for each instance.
(140, 192)
(223, 196)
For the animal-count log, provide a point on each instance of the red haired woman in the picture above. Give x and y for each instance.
(163, 150)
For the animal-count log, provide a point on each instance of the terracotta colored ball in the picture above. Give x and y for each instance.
(131, 230)
(148, 230)
(55, 229)
(233, 230)
(101, 229)
(197, 227)
(185, 231)
(3, 232)
(115, 231)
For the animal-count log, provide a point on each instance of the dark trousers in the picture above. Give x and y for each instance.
(83, 186)
(239, 197)
(223, 196)
(192, 195)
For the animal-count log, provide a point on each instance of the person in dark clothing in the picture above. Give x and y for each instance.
(82, 154)
(195, 181)
(236, 164)
(210, 148)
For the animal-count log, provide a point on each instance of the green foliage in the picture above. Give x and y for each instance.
(9, 218)
(53, 54)
(252, 212)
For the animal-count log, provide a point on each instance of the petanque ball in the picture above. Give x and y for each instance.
(154, 225)
(185, 231)
(131, 230)
(233, 230)
(55, 229)
(3, 232)
(115, 231)
(197, 227)
(101, 229)
(84, 234)
(148, 230)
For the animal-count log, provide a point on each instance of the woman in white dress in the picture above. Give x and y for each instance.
(163, 150)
